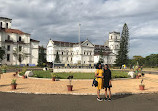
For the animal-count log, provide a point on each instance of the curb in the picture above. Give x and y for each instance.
(78, 94)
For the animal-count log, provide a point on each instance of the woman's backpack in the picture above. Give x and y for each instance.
(95, 83)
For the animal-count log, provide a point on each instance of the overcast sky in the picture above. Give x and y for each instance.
(58, 20)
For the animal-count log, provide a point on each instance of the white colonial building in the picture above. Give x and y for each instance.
(84, 52)
(19, 47)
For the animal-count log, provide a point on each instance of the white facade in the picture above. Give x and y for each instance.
(70, 53)
(86, 53)
(14, 40)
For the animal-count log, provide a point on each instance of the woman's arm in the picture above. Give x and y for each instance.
(109, 77)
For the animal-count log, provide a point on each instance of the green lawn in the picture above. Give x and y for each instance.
(47, 74)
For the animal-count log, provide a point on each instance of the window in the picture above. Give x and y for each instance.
(19, 38)
(71, 53)
(8, 47)
(84, 62)
(1, 24)
(116, 37)
(8, 37)
(67, 53)
(87, 53)
(62, 53)
(20, 48)
(8, 57)
(71, 59)
(84, 53)
(87, 44)
(67, 58)
(111, 37)
(20, 60)
(6, 25)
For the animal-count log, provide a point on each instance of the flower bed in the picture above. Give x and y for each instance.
(77, 75)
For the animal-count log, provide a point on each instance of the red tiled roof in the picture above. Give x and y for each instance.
(32, 40)
(15, 31)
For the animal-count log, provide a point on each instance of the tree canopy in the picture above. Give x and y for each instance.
(122, 57)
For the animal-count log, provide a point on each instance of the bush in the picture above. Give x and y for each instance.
(77, 75)
(24, 69)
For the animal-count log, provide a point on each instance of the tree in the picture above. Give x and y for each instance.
(41, 56)
(151, 60)
(57, 59)
(122, 57)
(19, 54)
(136, 59)
(2, 53)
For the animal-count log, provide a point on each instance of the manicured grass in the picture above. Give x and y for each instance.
(63, 75)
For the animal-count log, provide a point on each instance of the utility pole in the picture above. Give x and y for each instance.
(79, 35)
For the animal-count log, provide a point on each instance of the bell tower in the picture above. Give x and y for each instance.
(114, 41)
(5, 23)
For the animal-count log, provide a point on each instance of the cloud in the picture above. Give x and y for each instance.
(58, 19)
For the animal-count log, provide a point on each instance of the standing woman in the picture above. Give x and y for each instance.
(107, 82)
(99, 76)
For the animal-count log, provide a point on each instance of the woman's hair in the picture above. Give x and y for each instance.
(97, 66)
(106, 65)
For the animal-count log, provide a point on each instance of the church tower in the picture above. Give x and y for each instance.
(5, 23)
(114, 41)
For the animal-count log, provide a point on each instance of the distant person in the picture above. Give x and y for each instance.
(99, 76)
(107, 82)
(141, 68)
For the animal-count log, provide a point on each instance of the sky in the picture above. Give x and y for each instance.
(59, 19)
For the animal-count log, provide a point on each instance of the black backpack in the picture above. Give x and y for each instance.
(95, 83)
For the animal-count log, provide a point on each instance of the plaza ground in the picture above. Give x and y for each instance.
(80, 87)
(32, 102)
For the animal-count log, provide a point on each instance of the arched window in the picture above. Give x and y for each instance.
(1, 24)
(6, 25)
(19, 38)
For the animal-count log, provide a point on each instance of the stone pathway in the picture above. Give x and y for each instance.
(80, 87)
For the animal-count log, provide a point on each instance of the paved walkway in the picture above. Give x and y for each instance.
(80, 87)
(32, 102)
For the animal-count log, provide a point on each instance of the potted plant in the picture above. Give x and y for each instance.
(141, 86)
(15, 74)
(53, 77)
(13, 84)
(70, 86)
(136, 73)
(4, 68)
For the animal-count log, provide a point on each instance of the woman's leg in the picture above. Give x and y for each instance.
(106, 93)
(98, 93)
(109, 92)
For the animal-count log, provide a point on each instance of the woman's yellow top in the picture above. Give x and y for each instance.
(100, 80)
